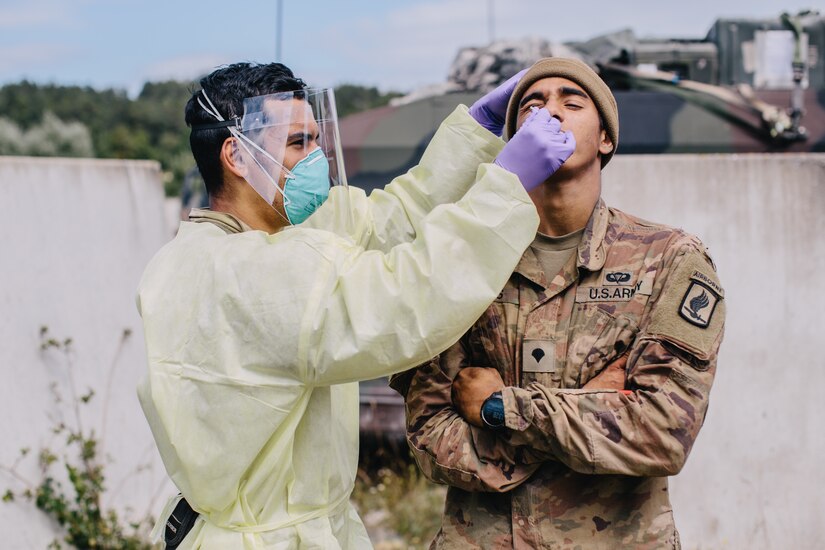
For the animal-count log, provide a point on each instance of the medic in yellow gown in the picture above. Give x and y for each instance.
(259, 324)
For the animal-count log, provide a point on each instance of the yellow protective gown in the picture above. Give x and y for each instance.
(255, 341)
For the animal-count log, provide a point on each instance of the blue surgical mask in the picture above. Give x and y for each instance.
(307, 187)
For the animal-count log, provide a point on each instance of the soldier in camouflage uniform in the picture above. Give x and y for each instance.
(575, 464)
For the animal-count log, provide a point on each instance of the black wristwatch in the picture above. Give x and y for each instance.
(492, 411)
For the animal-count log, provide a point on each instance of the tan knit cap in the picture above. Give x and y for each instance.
(581, 74)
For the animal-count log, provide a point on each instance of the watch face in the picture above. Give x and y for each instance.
(492, 411)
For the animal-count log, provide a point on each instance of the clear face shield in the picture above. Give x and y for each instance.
(289, 148)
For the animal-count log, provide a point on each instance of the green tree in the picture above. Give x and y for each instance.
(11, 138)
(352, 98)
(82, 121)
(52, 137)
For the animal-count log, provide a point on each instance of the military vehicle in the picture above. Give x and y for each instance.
(748, 86)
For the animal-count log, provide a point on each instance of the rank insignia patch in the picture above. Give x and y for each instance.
(538, 356)
(698, 304)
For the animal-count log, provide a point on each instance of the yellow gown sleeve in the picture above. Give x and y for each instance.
(393, 215)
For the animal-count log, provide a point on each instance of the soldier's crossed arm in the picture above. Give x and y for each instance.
(448, 449)
(671, 366)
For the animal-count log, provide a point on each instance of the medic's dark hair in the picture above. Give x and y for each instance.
(227, 87)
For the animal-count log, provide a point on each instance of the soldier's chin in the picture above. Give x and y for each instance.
(565, 170)
(558, 176)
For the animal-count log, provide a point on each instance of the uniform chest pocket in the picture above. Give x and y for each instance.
(596, 339)
(490, 340)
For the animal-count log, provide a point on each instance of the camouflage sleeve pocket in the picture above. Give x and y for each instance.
(690, 311)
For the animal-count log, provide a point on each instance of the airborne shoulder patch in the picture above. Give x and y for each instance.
(698, 304)
(690, 310)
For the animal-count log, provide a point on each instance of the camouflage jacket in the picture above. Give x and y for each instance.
(577, 468)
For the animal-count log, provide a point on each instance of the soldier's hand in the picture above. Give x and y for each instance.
(613, 377)
(471, 386)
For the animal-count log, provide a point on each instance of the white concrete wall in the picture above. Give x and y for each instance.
(76, 235)
(754, 478)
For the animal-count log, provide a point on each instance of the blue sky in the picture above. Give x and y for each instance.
(392, 44)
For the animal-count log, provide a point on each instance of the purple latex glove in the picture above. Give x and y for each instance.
(491, 110)
(537, 150)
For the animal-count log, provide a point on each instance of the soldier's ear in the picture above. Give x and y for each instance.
(232, 158)
(605, 143)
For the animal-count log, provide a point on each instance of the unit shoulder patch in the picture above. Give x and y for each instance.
(698, 304)
(690, 311)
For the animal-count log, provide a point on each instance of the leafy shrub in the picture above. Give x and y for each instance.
(78, 511)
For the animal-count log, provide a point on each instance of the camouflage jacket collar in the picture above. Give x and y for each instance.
(530, 268)
(229, 223)
(590, 254)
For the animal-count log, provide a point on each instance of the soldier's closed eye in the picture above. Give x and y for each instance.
(535, 99)
(573, 97)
